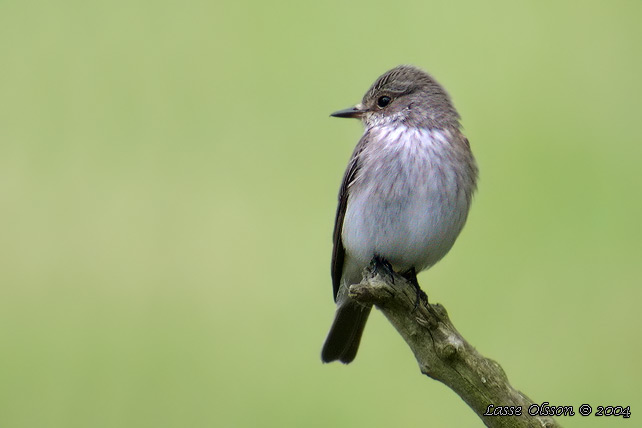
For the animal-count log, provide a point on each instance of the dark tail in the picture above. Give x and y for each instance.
(345, 334)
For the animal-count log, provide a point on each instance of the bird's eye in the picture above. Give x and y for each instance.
(383, 101)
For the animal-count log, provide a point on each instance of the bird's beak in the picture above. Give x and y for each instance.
(354, 112)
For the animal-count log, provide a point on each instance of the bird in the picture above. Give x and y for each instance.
(405, 194)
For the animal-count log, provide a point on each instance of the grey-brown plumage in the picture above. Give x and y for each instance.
(405, 195)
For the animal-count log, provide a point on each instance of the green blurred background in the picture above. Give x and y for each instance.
(168, 177)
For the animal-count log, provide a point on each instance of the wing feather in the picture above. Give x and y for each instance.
(338, 250)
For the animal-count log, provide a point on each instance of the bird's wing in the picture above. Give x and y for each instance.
(338, 250)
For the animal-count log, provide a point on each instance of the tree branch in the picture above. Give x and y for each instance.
(444, 355)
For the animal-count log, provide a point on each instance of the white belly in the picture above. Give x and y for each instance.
(405, 204)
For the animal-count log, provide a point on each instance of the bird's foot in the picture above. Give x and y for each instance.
(420, 295)
(381, 265)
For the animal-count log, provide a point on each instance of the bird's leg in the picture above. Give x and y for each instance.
(382, 265)
(411, 277)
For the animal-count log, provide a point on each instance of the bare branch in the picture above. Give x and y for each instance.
(443, 354)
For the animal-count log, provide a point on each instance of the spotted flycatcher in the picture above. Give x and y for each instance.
(405, 194)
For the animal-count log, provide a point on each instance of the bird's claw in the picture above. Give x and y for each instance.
(381, 265)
